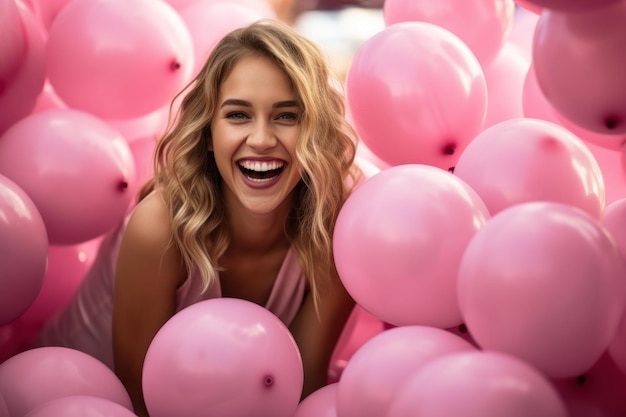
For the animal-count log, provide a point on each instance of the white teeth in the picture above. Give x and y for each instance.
(261, 166)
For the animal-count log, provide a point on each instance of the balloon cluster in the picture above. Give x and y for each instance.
(485, 248)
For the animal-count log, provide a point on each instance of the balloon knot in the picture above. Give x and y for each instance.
(268, 381)
(174, 66)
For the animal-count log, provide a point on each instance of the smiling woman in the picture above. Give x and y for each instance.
(248, 184)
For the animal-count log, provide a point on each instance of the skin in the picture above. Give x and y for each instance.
(257, 120)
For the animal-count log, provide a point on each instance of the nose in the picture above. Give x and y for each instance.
(261, 136)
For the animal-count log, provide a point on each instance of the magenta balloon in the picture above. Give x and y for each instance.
(81, 406)
(78, 170)
(67, 266)
(417, 94)
(399, 239)
(382, 365)
(522, 160)
(320, 403)
(544, 282)
(537, 106)
(19, 96)
(13, 42)
(565, 5)
(223, 357)
(580, 66)
(482, 25)
(23, 251)
(477, 384)
(34, 377)
(108, 57)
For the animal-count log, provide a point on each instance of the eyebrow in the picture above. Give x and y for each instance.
(238, 102)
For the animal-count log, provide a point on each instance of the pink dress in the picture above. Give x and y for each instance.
(86, 323)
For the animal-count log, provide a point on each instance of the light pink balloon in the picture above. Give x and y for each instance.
(320, 403)
(537, 106)
(617, 347)
(67, 266)
(505, 77)
(47, 10)
(482, 25)
(118, 59)
(19, 96)
(544, 282)
(13, 42)
(225, 357)
(477, 384)
(209, 20)
(152, 124)
(81, 406)
(530, 6)
(580, 66)
(614, 221)
(77, 169)
(613, 171)
(523, 31)
(48, 100)
(399, 239)
(566, 5)
(34, 377)
(23, 251)
(417, 94)
(522, 160)
(381, 366)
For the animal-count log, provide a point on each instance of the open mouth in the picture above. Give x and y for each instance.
(258, 171)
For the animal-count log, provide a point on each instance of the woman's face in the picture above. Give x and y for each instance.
(254, 134)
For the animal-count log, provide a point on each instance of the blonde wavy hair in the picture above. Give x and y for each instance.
(186, 173)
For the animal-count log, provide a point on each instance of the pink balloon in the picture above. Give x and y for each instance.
(225, 357)
(580, 66)
(48, 100)
(47, 10)
(477, 384)
(13, 43)
(321, 403)
(19, 96)
(417, 94)
(529, 5)
(118, 59)
(34, 377)
(523, 31)
(544, 282)
(505, 77)
(209, 20)
(566, 5)
(78, 170)
(143, 152)
(400, 236)
(67, 266)
(523, 160)
(381, 366)
(613, 171)
(136, 128)
(617, 347)
(482, 25)
(537, 106)
(614, 221)
(81, 406)
(23, 251)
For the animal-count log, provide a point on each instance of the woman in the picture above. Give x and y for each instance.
(248, 184)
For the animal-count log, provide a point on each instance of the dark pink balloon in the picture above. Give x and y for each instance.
(580, 66)
(416, 94)
(13, 42)
(18, 95)
(543, 282)
(77, 169)
(23, 251)
(400, 236)
(118, 59)
(225, 357)
(482, 25)
(34, 377)
(565, 5)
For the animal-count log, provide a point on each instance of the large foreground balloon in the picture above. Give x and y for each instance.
(417, 94)
(77, 169)
(399, 239)
(223, 357)
(477, 384)
(544, 282)
(81, 406)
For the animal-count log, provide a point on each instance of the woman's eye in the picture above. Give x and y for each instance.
(236, 115)
(288, 116)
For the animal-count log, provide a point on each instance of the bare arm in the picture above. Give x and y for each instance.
(147, 275)
(317, 335)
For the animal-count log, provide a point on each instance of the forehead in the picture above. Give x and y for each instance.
(254, 73)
